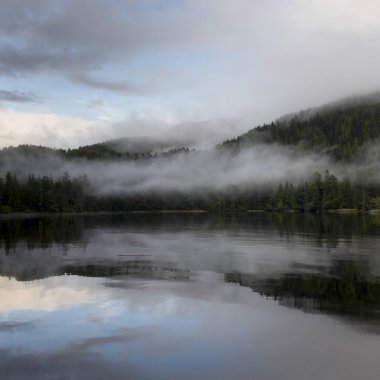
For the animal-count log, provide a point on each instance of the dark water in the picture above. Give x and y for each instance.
(263, 296)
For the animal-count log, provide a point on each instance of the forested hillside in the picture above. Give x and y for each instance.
(340, 132)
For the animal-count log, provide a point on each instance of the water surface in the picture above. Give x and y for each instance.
(266, 296)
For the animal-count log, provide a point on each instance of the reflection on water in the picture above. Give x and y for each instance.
(191, 296)
(345, 289)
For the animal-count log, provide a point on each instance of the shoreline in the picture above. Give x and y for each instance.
(168, 212)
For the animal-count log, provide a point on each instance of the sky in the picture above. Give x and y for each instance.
(79, 72)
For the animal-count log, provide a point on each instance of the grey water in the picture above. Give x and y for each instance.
(155, 296)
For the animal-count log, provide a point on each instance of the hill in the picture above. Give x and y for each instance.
(340, 129)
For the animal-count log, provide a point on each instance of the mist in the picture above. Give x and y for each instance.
(211, 170)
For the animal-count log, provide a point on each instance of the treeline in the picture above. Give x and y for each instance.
(65, 194)
(324, 193)
(321, 193)
(340, 131)
(42, 194)
(101, 151)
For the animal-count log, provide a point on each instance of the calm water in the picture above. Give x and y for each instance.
(190, 297)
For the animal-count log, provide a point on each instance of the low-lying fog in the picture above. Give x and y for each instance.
(215, 169)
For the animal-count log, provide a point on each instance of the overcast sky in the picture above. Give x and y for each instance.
(75, 72)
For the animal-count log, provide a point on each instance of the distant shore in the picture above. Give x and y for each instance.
(211, 212)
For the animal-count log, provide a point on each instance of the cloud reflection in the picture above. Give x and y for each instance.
(45, 295)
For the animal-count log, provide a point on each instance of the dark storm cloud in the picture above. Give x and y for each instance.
(17, 97)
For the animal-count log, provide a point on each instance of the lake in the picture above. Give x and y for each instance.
(166, 296)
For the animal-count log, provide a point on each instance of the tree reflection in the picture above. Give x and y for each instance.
(345, 288)
(37, 231)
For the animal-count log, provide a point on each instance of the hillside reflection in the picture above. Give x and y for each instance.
(345, 288)
(316, 263)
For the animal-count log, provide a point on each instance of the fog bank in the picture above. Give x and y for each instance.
(185, 172)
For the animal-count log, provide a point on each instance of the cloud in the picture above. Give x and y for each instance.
(17, 97)
(74, 39)
(47, 129)
(42, 296)
(199, 59)
(121, 87)
(59, 131)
